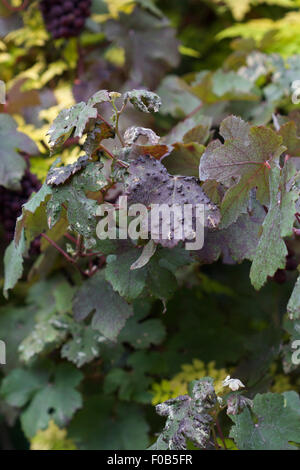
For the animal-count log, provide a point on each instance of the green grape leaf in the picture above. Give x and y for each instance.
(33, 219)
(176, 99)
(81, 211)
(141, 333)
(188, 417)
(15, 324)
(275, 426)
(143, 100)
(271, 251)
(75, 119)
(20, 385)
(245, 158)
(84, 346)
(60, 175)
(131, 386)
(99, 426)
(12, 165)
(111, 311)
(13, 264)
(57, 400)
(212, 87)
(127, 282)
(50, 299)
(130, 283)
(293, 307)
(43, 334)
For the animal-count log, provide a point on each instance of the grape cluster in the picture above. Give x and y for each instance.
(65, 19)
(11, 206)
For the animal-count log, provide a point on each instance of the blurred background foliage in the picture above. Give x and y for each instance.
(217, 55)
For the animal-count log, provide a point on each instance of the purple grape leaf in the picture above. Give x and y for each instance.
(150, 183)
(243, 162)
(12, 164)
(150, 45)
(60, 175)
(237, 242)
(184, 159)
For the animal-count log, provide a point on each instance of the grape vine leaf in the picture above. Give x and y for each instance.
(111, 311)
(31, 382)
(13, 264)
(12, 164)
(15, 324)
(142, 332)
(290, 139)
(83, 346)
(102, 426)
(238, 242)
(271, 250)
(75, 119)
(188, 417)
(293, 307)
(195, 128)
(149, 43)
(149, 183)
(245, 158)
(101, 131)
(81, 210)
(276, 423)
(176, 99)
(184, 159)
(143, 100)
(212, 87)
(129, 283)
(50, 398)
(60, 175)
(33, 220)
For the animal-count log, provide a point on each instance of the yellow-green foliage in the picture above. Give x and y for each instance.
(282, 383)
(53, 438)
(281, 36)
(178, 385)
(239, 8)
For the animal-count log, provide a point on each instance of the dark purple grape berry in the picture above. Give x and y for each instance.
(280, 276)
(11, 204)
(64, 19)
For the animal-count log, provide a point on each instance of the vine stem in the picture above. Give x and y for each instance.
(217, 447)
(221, 433)
(194, 111)
(104, 120)
(112, 157)
(118, 114)
(61, 251)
